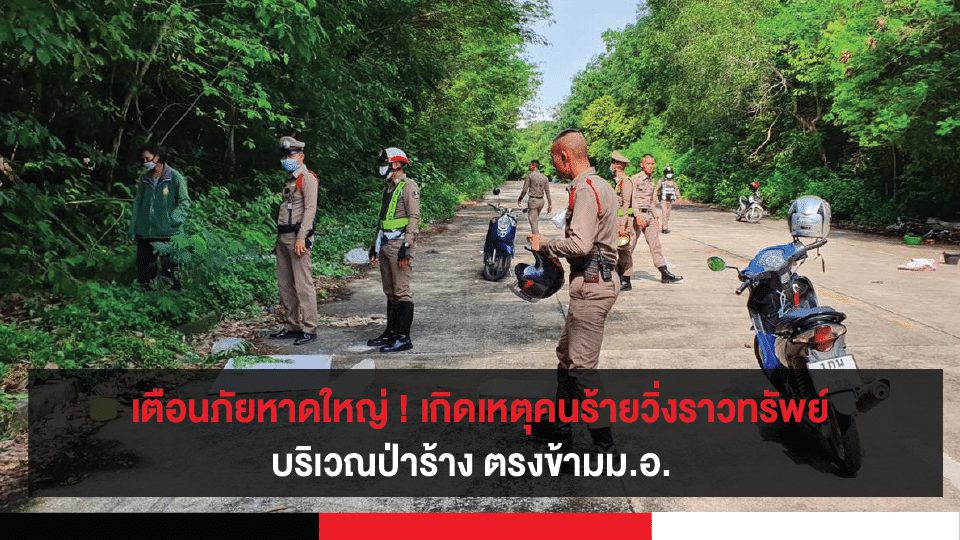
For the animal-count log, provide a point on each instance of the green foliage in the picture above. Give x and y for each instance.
(854, 101)
(87, 82)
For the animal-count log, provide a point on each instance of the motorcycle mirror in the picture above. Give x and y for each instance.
(496, 191)
(716, 264)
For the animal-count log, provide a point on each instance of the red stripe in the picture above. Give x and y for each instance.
(484, 526)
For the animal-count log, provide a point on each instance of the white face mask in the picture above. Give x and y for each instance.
(150, 165)
(670, 176)
(384, 170)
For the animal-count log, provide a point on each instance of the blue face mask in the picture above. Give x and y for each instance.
(290, 164)
(150, 165)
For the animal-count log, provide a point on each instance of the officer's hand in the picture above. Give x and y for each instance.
(519, 201)
(374, 260)
(550, 209)
(536, 241)
(300, 247)
(642, 222)
(404, 263)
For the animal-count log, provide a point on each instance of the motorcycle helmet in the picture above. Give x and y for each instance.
(668, 172)
(391, 155)
(809, 217)
(540, 280)
(623, 240)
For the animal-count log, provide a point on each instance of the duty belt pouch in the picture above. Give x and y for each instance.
(593, 268)
(604, 266)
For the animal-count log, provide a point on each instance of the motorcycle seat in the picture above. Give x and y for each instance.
(805, 317)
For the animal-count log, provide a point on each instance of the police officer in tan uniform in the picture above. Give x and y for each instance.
(626, 236)
(298, 295)
(646, 221)
(667, 192)
(590, 247)
(394, 246)
(538, 187)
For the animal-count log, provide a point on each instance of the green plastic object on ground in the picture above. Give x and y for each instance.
(912, 240)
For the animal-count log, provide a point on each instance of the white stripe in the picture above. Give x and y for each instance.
(806, 526)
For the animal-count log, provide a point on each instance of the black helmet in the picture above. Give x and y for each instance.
(668, 172)
(540, 280)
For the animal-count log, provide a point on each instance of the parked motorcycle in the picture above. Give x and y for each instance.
(750, 208)
(498, 246)
(800, 345)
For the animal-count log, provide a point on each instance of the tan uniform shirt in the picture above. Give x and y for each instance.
(538, 185)
(644, 193)
(408, 206)
(625, 191)
(588, 226)
(300, 205)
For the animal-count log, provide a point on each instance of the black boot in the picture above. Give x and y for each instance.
(305, 338)
(390, 331)
(625, 283)
(667, 277)
(603, 441)
(401, 340)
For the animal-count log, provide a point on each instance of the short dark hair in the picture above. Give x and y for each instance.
(154, 149)
(537, 161)
(565, 132)
(645, 156)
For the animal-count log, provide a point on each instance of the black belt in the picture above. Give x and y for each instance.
(536, 196)
(590, 269)
(645, 210)
(291, 228)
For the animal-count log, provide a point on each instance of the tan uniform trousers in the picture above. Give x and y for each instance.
(298, 295)
(395, 278)
(665, 208)
(651, 234)
(579, 349)
(534, 207)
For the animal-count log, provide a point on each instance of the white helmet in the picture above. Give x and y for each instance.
(391, 155)
(809, 217)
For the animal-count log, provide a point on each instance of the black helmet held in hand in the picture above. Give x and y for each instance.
(540, 280)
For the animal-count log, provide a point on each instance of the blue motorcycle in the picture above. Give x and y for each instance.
(498, 246)
(801, 348)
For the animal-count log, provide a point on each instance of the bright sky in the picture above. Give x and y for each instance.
(573, 39)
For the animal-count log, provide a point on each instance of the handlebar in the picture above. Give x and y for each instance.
(748, 280)
(743, 286)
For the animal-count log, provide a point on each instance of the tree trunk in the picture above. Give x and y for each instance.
(132, 92)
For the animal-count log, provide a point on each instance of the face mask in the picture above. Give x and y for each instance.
(150, 165)
(384, 170)
(670, 176)
(290, 164)
(612, 172)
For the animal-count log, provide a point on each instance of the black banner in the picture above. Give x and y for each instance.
(365, 432)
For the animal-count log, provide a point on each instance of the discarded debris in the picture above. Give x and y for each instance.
(919, 265)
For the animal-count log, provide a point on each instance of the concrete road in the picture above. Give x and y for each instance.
(896, 319)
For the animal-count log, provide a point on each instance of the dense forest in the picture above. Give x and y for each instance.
(855, 101)
(84, 84)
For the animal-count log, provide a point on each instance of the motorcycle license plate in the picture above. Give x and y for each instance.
(835, 374)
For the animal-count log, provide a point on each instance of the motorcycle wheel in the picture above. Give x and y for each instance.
(754, 214)
(496, 266)
(845, 443)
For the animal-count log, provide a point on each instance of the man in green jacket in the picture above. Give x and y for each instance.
(159, 211)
